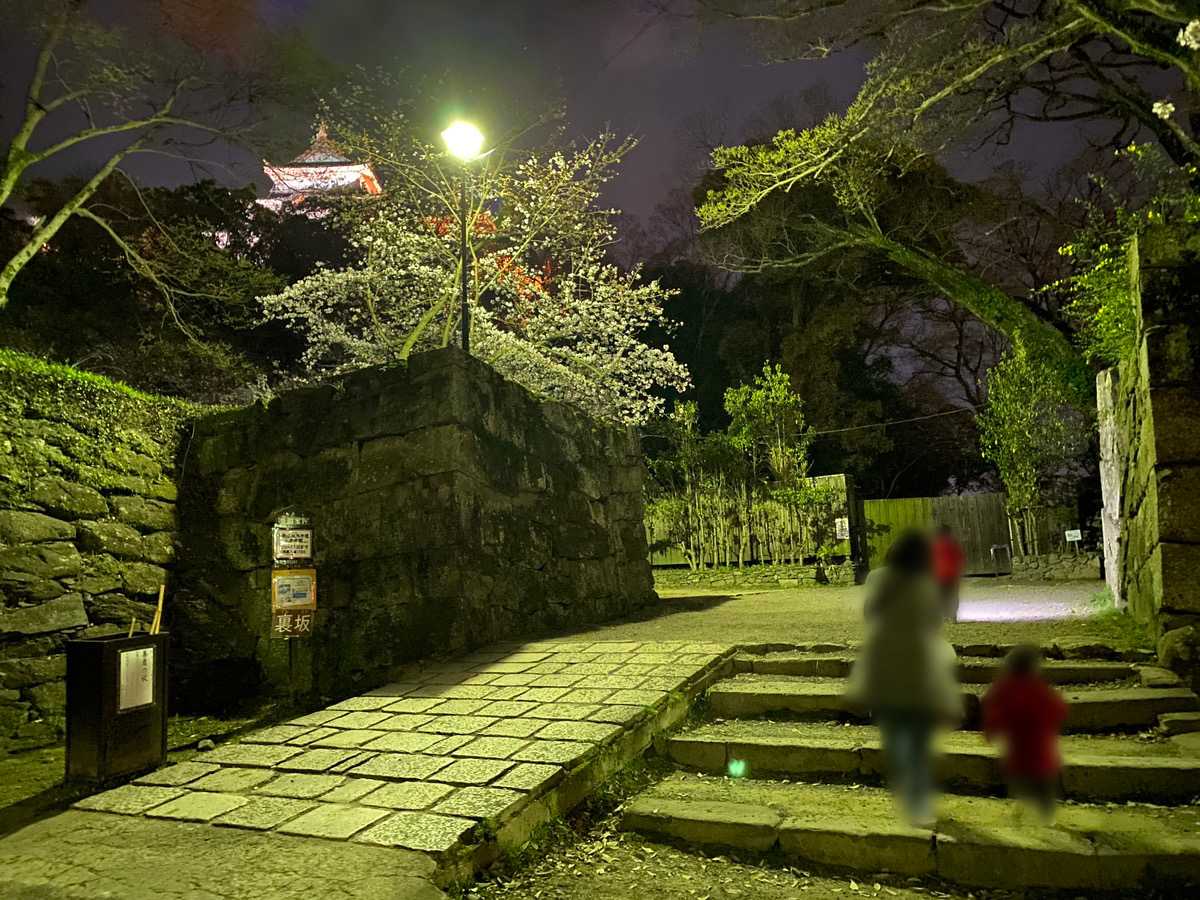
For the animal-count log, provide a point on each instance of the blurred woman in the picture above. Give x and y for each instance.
(905, 674)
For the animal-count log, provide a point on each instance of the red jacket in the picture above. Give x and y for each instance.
(948, 559)
(1029, 714)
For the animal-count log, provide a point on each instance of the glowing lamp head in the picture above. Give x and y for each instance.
(463, 140)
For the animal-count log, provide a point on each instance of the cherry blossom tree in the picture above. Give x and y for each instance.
(549, 308)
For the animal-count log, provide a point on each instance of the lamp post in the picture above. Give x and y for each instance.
(464, 141)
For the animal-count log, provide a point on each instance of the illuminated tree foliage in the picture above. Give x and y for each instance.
(1032, 431)
(1100, 290)
(548, 309)
(955, 74)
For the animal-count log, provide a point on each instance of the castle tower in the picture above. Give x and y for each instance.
(319, 171)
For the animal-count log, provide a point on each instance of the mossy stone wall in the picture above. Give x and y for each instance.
(1157, 412)
(450, 509)
(88, 526)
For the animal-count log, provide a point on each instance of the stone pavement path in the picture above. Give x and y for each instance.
(486, 745)
(380, 795)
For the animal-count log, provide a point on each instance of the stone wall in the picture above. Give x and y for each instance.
(1158, 414)
(1082, 566)
(450, 509)
(87, 527)
(755, 576)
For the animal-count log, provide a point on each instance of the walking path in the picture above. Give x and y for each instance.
(410, 787)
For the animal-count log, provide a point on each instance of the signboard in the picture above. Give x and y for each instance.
(842, 524)
(291, 543)
(1074, 534)
(293, 602)
(136, 687)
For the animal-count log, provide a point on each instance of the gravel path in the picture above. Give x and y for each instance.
(992, 611)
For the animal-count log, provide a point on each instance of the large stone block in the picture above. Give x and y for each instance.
(159, 547)
(1173, 568)
(59, 614)
(143, 578)
(20, 527)
(41, 560)
(145, 515)
(1175, 421)
(68, 500)
(114, 538)
(1177, 490)
(23, 673)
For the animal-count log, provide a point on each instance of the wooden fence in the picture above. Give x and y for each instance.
(979, 521)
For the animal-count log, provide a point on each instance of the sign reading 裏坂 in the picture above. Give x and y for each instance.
(293, 602)
(293, 580)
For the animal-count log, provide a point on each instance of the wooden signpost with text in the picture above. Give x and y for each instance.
(293, 578)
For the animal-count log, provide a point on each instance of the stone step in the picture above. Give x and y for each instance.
(1179, 723)
(976, 841)
(971, 670)
(1101, 769)
(1097, 709)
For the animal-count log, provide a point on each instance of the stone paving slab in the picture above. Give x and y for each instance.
(418, 763)
(180, 773)
(409, 794)
(301, 786)
(198, 806)
(233, 780)
(334, 821)
(419, 831)
(264, 813)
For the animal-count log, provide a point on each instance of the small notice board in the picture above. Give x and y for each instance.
(136, 678)
(293, 602)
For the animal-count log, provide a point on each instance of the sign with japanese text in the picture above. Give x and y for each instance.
(842, 525)
(136, 678)
(292, 543)
(1074, 534)
(293, 602)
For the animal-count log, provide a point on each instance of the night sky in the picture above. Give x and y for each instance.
(614, 61)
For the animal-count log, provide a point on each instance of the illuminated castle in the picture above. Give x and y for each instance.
(320, 170)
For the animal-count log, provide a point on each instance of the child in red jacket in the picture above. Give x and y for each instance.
(948, 559)
(1023, 709)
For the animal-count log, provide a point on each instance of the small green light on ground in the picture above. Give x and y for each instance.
(737, 768)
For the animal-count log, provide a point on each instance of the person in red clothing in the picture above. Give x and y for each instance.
(948, 559)
(1023, 709)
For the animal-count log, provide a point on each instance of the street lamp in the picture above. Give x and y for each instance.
(464, 141)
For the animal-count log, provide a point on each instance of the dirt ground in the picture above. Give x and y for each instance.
(992, 611)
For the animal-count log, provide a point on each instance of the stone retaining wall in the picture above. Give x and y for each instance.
(1082, 566)
(450, 509)
(1157, 411)
(88, 527)
(755, 576)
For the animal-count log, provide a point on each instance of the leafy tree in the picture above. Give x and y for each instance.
(949, 75)
(1100, 293)
(548, 308)
(108, 88)
(1032, 431)
(180, 316)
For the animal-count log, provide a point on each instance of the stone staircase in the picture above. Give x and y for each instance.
(782, 766)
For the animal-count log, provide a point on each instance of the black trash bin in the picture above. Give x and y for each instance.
(116, 706)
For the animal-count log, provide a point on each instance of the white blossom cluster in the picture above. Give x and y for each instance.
(1189, 35)
(1164, 109)
(549, 310)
